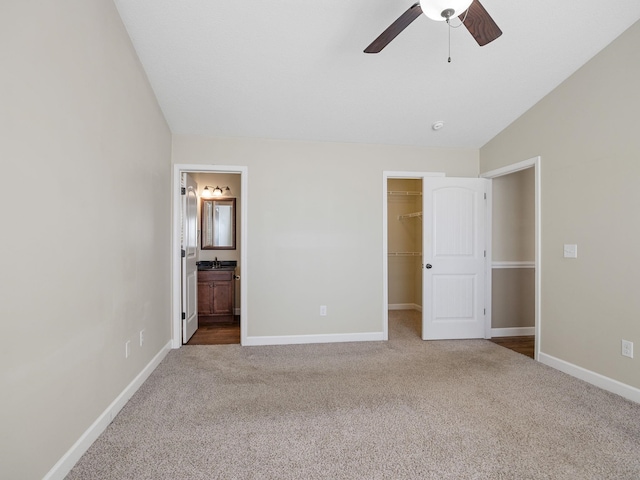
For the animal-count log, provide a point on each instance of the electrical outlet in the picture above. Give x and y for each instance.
(627, 348)
(323, 310)
(142, 337)
(127, 349)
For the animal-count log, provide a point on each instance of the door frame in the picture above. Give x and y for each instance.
(386, 175)
(534, 163)
(176, 257)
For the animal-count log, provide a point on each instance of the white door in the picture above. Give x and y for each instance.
(453, 258)
(189, 267)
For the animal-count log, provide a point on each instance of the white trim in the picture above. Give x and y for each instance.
(488, 261)
(523, 264)
(385, 259)
(513, 332)
(305, 339)
(535, 163)
(409, 176)
(513, 168)
(606, 383)
(69, 459)
(176, 314)
(405, 306)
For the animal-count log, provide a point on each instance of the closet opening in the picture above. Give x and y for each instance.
(404, 255)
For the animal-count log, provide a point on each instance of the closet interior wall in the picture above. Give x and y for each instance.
(404, 209)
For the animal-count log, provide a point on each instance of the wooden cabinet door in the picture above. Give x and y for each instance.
(222, 298)
(205, 298)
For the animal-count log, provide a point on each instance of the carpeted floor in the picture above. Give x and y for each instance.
(402, 409)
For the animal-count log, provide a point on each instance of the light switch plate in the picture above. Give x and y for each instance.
(570, 251)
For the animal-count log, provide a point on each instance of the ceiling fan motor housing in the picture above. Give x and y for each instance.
(447, 13)
(440, 10)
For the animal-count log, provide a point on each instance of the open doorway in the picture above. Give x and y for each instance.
(452, 264)
(515, 243)
(218, 259)
(233, 183)
(404, 237)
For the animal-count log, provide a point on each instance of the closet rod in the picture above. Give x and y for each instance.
(410, 215)
(404, 254)
(400, 192)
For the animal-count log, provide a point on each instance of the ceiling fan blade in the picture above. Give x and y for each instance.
(480, 24)
(394, 29)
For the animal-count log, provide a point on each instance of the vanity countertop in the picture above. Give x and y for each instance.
(206, 265)
(206, 269)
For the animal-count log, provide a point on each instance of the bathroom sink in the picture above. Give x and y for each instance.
(217, 264)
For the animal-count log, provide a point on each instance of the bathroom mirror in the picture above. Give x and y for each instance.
(218, 223)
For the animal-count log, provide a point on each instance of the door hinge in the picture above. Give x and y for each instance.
(184, 315)
(183, 191)
(485, 311)
(485, 254)
(485, 196)
(183, 253)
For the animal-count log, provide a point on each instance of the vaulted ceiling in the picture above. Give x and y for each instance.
(295, 69)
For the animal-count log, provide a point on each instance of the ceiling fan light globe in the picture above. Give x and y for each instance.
(434, 8)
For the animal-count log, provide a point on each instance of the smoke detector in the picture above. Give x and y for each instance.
(437, 125)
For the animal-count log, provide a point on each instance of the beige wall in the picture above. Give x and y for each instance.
(586, 132)
(85, 156)
(513, 297)
(315, 226)
(513, 217)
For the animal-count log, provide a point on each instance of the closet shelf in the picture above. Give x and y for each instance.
(400, 192)
(404, 254)
(410, 215)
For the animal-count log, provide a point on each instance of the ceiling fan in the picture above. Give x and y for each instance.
(471, 12)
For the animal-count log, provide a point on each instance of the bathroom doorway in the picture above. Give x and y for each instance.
(211, 176)
(218, 329)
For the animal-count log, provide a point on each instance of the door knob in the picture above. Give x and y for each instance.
(427, 266)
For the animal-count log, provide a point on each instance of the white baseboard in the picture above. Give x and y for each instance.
(302, 339)
(405, 306)
(69, 459)
(513, 332)
(606, 383)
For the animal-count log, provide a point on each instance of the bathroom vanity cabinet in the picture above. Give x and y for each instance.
(216, 296)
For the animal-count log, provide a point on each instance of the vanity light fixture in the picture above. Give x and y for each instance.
(215, 192)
